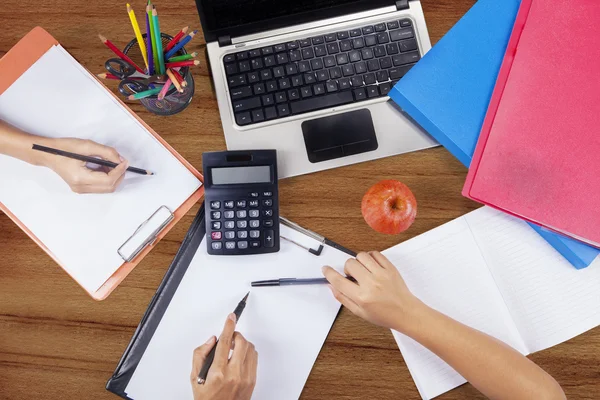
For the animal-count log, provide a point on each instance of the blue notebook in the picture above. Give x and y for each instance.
(449, 90)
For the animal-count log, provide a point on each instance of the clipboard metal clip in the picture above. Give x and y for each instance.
(306, 232)
(146, 234)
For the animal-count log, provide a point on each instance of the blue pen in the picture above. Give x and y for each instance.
(180, 45)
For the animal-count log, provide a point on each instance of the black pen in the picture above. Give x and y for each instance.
(211, 356)
(91, 160)
(294, 282)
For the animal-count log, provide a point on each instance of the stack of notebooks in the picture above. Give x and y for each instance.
(512, 92)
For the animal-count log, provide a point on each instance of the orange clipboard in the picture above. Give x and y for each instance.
(18, 60)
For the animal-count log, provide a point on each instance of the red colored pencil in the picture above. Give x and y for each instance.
(119, 53)
(189, 63)
(179, 78)
(176, 39)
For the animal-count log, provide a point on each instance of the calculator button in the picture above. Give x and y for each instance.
(267, 194)
(254, 213)
(254, 234)
(240, 204)
(254, 194)
(229, 224)
(242, 245)
(216, 235)
(229, 214)
(253, 203)
(268, 223)
(254, 244)
(242, 224)
(215, 205)
(230, 245)
(269, 239)
(229, 204)
(254, 224)
(229, 235)
(242, 214)
(217, 245)
(215, 215)
(242, 234)
(267, 203)
(268, 213)
(216, 225)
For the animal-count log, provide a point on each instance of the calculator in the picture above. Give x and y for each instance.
(241, 202)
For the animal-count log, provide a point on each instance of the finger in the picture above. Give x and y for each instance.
(251, 366)
(102, 182)
(346, 301)
(239, 352)
(340, 283)
(91, 148)
(118, 173)
(200, 355)
(382, 260)
(368, 261)
(222, 352)
(356, 270)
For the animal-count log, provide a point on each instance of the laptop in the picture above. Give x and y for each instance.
(310, 78)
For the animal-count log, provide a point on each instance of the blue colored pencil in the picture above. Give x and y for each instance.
(149, 43)
(159, 46)
(180, 45)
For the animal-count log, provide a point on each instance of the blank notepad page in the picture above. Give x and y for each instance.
(58, 98)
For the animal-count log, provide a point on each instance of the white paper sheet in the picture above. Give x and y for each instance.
(56, 97)
(491, 271)
(288, 325)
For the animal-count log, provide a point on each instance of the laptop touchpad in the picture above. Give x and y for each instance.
(339, 136)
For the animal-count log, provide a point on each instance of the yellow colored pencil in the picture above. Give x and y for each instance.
(138, 34)
(174, 80)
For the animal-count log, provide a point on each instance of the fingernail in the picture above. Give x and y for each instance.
(232, 317)
(323, 269)
(121, 158)
(210, 340)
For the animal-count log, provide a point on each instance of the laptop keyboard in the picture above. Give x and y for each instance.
(319, 72)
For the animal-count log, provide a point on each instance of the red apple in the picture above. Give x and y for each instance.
(389, 207)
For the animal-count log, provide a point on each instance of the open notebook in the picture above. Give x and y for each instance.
(57, 97)
(288, 325)
(491, 271)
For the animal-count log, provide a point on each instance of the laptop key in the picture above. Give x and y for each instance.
(271, 86)
(279, 48)
(382, 76)
(373, 65)
(237, 80)
(269, 61)
(283, 110)
(321, 102)
(379, 27)
(319, 89)
(268, 100)
(279, 72)
(243, 118)
(392, 48)
(242, 56)
(306, 92)
(293, 45)
(316, 64)
(368, 30)
(297, 81)
(408, 45)
(305, 42)
(254, 53)
(303, 66)
(270, 113)
(399, 72)
(344, 83)
(284, 83)
(259, 88)
(356, 81)
(282, 58)
(322, 76)
(320, 51)
(405, 22)
(295, 55)
(310, 78)
(267, 50)
(246, 104)
(258, 115)
(348, 70)
(360, 67)
(406, 58)
(355, 32)
(369, 78)
(401, 34)
(372, 91)
(335, 73)
(308, 53)
(291, 69)
(256, 63)
(367, 54)
(393, 25)
(379, 51)
(318, 40)
(360, 94)
(253, 77)
(342, 59)
(231, 69)
(330, 37)
(383, 38)
(244, 66)
(385, 88)
(354, 56)
(280, 97)
(333, 48)
(331, 86)
(343, 35)
(229, 58)
(371, 40)
(358, 43)
(293, 94)
(241, 93)
(386, 62)
(345, 45)
(329, 61)
(266, 74)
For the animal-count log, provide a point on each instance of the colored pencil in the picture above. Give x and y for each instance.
(119, 53)
(180, 45)
(189, 63)
(176, 39)
(179, 78)
(138, 34)
(149, 44)
(147, 93)
(152, 37)
(159, 46)
(164, 89)
(116, 78)
(184, 57)
(174, 80)
(87, 159)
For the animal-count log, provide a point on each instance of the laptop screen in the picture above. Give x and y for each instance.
(237, 17)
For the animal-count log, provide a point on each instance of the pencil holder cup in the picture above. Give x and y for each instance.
(174, 102)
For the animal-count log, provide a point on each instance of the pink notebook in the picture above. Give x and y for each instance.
(538, 156)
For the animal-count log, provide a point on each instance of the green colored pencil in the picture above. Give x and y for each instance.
(147, 93)
(184, 57)
(152, 37)
(159, 46)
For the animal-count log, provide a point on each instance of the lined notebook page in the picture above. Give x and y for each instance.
(57, 97)
(549, 300)
(445, 269)
(288, 325)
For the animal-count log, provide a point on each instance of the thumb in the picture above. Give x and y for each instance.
(118, 171)
(200, 355)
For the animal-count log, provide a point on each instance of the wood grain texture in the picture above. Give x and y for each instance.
(56, 343)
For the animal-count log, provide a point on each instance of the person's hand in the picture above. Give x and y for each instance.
(379, 295)
(228, 378)
(75, 173)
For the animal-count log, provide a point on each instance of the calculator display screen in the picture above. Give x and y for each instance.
(237, 175)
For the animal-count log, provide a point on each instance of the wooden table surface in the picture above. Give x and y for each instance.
(57, 343)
